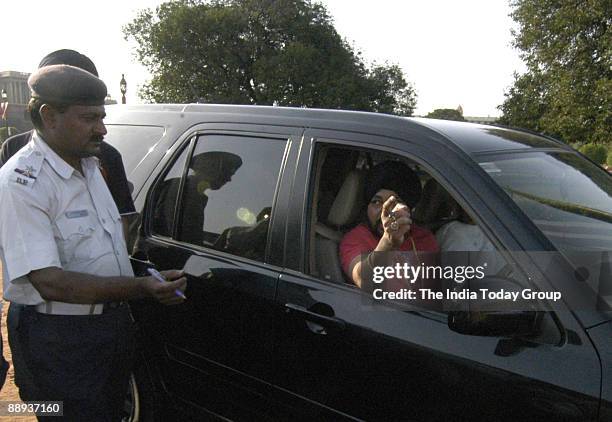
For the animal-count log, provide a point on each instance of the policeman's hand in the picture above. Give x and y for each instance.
(166, 292)
(396, 221)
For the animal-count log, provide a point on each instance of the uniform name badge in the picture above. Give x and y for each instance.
(76, 214)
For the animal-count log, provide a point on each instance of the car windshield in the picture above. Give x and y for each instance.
(566, 196)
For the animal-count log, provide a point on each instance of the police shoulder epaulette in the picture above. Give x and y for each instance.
(26, 169)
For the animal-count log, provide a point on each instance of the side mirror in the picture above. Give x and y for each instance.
(496, 324)
(495, 317)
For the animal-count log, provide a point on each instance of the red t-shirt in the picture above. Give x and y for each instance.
(362, 240)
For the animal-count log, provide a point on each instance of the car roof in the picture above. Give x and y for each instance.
(472, 138)
(477, 138)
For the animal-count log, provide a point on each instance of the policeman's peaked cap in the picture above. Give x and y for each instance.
(69, 85)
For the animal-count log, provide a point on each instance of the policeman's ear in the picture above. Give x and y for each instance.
(48, 116)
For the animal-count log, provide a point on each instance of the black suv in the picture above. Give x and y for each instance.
(253, 201)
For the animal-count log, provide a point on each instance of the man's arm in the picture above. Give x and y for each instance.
(3, 154)
(13, 144)
(371, 261)
(125, 224)
(116, 179)
(55, 284)
(118, 184)
(390, 240)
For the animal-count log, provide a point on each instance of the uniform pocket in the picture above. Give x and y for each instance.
(117, 227)
(75, 237)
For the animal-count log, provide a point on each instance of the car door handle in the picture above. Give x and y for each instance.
(327, 322)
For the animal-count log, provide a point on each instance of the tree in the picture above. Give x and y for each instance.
(566, 89)
(446, 114)
(596, 152)
(283, 52)
(526, 103)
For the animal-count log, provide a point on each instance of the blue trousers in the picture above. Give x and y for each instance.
(84, 361)
(23, 378)
(4, 365)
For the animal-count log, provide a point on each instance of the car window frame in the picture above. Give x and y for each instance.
(501, 244)
(189, 140)
(405, 149)
(186, 146)
(433, 173)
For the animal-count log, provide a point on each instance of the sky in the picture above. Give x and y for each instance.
(453, 52)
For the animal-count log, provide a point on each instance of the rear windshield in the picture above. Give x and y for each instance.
(566, 196)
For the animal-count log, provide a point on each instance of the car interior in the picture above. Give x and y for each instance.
(338, 204)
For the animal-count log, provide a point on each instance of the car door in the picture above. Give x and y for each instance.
(215, 211)
(362, 358)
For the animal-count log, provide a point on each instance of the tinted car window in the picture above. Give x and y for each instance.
(228, 193)
(166, 197)
(133, 142)
(460, 240)
(566, 196)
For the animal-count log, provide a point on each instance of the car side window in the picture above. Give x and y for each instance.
(166, 197)
(441, 227)
(228, 193)
(446, 243)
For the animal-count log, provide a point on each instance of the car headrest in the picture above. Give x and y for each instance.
(436, 203)
(346, 207)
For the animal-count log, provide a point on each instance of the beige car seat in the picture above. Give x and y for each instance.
(343, 213)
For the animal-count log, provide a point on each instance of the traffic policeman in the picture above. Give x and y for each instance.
(114, 174)
(64, 254)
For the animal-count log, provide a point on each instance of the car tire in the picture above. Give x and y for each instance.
(140, 402)
(131, 405)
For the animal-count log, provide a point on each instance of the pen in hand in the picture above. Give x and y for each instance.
(156, 275)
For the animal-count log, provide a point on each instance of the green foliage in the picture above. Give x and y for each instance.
(284, 52)
(575, 145)
(525, 103)
(566, 89)
(446, 114)
(609, 159)
(595, 152)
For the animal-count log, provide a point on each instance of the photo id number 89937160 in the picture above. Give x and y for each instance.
(31, 408)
